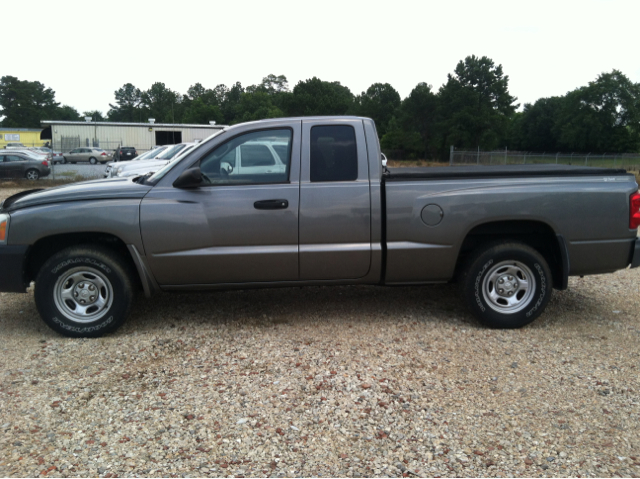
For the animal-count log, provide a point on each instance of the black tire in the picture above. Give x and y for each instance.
(93, 161)
(96, 274)
(32, 174)
(64, 160)
(516, 267)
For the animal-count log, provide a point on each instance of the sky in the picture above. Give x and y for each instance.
(85, 51)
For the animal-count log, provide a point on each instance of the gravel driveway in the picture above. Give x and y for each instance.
(327, 381)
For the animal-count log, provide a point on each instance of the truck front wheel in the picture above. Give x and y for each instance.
(84, 291)
(507, 285)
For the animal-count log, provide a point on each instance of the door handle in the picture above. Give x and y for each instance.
(271, 205)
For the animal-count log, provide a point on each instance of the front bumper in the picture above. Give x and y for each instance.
(635, 254)
(12, 268)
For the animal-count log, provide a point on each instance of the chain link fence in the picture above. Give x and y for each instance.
(68, 143)
(628, 161)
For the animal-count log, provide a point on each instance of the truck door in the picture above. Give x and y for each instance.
(335, 205)
(235, 227)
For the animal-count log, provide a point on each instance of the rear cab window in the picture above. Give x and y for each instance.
(334, 155)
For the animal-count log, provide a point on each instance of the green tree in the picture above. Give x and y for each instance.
(317, 97)
(201, 112)
(256, 106)
(602, 117)
(275, 84)
(475, 105)
(66, 113)
(23, 104)
(402, 140)
(162, 104)
(127, 107)
(419, 113)
(380, 102)
(196, 91)
(535, 128)
(94, 114)
(230, 102)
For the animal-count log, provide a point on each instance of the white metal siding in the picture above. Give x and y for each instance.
(110, 137)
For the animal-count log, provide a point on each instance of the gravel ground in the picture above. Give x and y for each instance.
(327, 381)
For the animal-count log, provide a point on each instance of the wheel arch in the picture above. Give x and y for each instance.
(536, 234)
(47, 246)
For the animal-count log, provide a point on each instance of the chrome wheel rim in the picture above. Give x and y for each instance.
(508, 287)
(32, 175)
(83, 294)
(93, 161)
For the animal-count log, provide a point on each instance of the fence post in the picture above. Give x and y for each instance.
(586, 160)
(614, 160)
(451, 155)
(571, 161)
(557, 153)
(478, 157)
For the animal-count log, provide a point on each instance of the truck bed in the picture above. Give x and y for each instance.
(496, 171)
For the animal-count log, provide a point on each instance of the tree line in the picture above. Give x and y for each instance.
(473, 109)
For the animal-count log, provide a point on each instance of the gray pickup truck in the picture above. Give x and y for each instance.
(306, 201)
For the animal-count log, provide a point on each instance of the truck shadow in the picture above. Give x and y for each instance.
(302, 306)
(340, 305)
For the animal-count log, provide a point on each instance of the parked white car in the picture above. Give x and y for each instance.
(15, 146)
(138, 169)
(149, 155)
(254, 158)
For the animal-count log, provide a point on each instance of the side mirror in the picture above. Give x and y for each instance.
(191, 178)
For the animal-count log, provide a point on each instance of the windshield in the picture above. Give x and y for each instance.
(171, 152)
(150, 154)
(32, 154)
(158, 175)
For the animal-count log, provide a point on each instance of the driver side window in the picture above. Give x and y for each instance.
(257, 157)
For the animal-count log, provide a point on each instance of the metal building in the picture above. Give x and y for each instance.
(67, 135)
(26, 136)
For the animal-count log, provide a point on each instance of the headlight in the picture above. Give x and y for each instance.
(4, 228)
(119, 170)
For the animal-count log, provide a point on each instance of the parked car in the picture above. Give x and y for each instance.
(19, 164)
(36, 154)
(54, 156)
(133, 168)
(92, 155)
(10, 146)
(125, 153)
(149, 155)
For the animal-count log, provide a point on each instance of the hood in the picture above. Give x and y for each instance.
(143, 165)
(107, 189)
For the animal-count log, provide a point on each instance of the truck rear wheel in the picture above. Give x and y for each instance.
(507, 285)
(84, 291)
